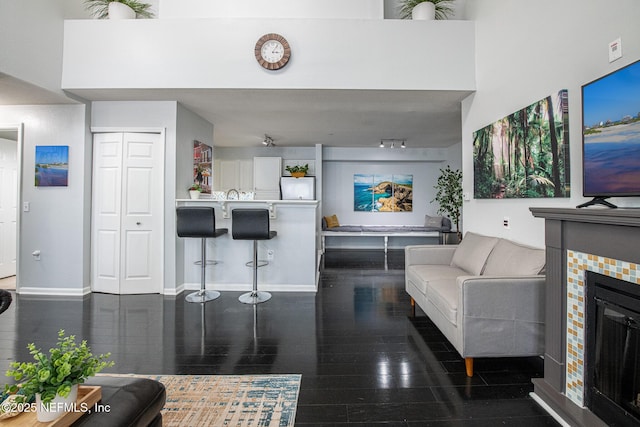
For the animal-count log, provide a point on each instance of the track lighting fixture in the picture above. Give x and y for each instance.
(392, 143)
(268, 141)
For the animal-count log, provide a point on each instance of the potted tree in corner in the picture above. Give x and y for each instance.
(449, 196)
(426, 9)
(118, 9)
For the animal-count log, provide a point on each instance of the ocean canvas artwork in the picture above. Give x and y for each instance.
(52, 166)
(382, 193)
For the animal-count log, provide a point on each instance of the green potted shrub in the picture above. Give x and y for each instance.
(54, 375)
(449, 195)
(195, 190)
(426, 9)
(102, 9)
(298, 171)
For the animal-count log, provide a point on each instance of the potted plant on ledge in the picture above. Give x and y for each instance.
(297, 171)
(426, 9)
(54, 376)
(195, 190)
(118, 9)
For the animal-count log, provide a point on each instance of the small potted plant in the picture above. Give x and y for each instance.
(55, 375)
(297, 171)
(425, 9)
(118, 9)
(195, 190)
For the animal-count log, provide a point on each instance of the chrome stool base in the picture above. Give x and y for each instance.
(254, 297)
(202, 296)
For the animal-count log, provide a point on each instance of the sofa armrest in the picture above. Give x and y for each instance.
(428, 254)
(501, 315)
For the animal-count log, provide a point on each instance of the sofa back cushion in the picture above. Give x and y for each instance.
(511, 259)
(472, 253)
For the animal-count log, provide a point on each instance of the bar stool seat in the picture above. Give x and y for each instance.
(252, 224)
(199, 222)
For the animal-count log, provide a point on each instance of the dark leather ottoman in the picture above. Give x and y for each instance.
(133, 402)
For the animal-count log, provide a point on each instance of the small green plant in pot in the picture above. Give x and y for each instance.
(449, 195)
(55, 374)
(443, 8)
(298, 170)
(100, 8)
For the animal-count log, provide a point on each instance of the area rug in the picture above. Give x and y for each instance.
(229, 400)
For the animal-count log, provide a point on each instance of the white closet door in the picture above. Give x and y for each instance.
(8, 207)
(127, 213)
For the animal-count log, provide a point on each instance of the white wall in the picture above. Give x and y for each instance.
(219, 53)
(525, 52)
(288, 9)
(57, 221)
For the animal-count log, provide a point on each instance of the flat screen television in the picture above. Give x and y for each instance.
(611, 136)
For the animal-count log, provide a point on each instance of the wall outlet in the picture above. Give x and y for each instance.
(270, 254)
(505, 223)
(466, 196)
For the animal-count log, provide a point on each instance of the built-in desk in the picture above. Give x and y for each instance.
(294, 263)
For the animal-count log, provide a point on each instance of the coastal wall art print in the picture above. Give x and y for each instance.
(525, 154)
(382, 193)
(52, 165)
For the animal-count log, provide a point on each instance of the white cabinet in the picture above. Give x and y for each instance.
(237, 174)
(266, 177)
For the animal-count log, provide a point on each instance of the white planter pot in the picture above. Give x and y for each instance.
(120, 11)
(194, 194)
(425, 11)
(58, 406)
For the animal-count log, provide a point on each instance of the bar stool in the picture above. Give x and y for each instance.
(252, 224)
(199, 222)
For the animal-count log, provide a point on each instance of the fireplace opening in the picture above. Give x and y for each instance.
(612, 362)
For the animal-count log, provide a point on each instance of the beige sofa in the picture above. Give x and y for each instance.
(486, 295)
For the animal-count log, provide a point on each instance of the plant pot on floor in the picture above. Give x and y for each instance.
(47, 412)
(425, 11)
(120, 11)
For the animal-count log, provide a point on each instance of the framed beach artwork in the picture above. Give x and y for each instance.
(525, 154)
(52, 166)
(382, 193)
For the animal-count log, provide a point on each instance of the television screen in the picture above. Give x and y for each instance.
(611, 134)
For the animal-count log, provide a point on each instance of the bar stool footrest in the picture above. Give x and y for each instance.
(202, 296)
(261, 263)
(254, 297)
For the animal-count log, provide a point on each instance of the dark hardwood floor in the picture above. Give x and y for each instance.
(363, 360)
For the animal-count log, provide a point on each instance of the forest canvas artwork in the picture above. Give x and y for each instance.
(382, 193)
(525, 154)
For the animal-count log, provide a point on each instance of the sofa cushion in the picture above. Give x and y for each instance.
(443, 294)
(423, 274)
(472, 253)
(433, 221)
(511, 259)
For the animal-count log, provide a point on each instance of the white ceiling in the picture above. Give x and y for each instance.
(302, 117)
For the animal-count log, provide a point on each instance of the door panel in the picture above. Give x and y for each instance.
(131, 205)
(8, 207)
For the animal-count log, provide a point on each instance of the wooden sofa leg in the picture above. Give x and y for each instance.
(413, 307)
(468, 364)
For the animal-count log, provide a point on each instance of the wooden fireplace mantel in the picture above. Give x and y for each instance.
(606, 232)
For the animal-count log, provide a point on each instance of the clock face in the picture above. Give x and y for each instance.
(272, 51)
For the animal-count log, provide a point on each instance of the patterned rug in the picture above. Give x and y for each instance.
(229, 400)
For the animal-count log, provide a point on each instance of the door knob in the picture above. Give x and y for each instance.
(138, 223)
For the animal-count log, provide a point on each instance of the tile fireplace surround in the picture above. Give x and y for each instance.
(602, 240)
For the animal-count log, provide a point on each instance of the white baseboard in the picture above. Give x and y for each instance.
(62, 292)
(241, 287)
